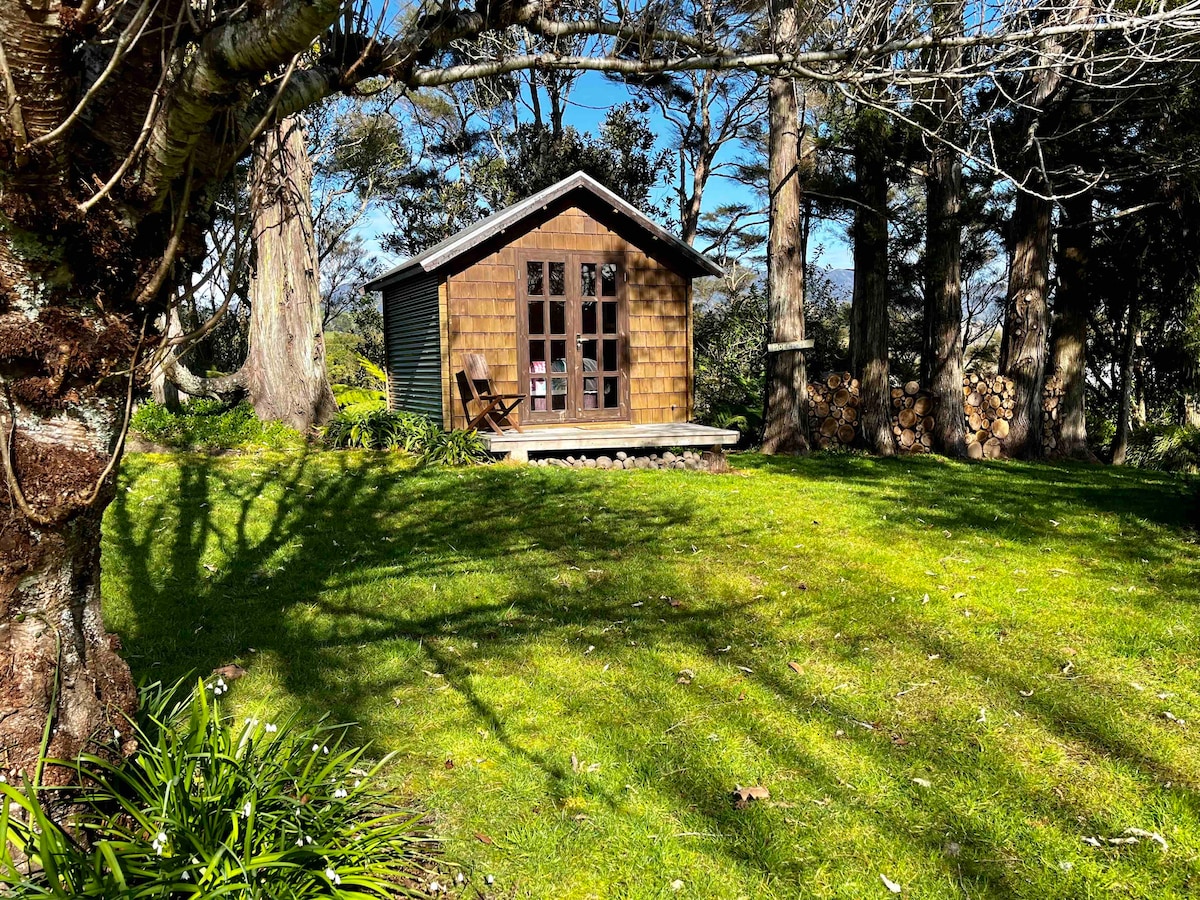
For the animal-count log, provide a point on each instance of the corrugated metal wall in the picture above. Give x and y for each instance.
(413, 340)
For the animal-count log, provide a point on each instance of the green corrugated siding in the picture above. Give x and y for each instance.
(413, 339)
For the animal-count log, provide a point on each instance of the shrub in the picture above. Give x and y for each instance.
(367, 390)
(204, 424)
(1173, 448)
(209, 809)
(381, 429)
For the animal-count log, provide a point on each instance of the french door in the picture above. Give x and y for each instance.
(572, 337)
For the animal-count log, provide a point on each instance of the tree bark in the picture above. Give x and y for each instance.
(870, 233)
(785, 418)
(1023, 350)
(942, 352)
(1121, 439)
(1068, 333)
(56, 478)
(285, 369)
(164, 390)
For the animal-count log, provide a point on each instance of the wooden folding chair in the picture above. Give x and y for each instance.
(475, 386)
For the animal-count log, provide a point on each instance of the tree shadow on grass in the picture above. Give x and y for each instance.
(227, 556)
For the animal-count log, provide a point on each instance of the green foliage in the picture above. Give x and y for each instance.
(1172, 448)
(376, 428)
(367, 390)
(204, 424)
(209, 808)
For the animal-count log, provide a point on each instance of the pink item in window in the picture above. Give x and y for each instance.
(538, 366)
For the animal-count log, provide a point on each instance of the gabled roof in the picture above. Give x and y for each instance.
(690, 261)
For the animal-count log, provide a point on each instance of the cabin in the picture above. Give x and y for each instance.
(576, 300)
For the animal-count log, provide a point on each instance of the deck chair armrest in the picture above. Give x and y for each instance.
(502, 396)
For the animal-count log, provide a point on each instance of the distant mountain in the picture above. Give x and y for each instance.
(841, 282)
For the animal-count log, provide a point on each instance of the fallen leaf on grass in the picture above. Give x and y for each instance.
(1025, 693)
(231, 672)
(889, 884)
(677, 884)
(685, 676)
(483, 838)
(743, 797)
(746, 669)
(449, 764)
(1171, 717)
(922, 782)
(795, 667)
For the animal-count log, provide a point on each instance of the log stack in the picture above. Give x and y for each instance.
(912, 419)
(989, 401)
(1052, 396)
(834, 406)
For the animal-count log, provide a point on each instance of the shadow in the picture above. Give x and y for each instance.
(354, 586)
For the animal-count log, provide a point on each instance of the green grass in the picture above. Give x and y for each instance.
(1013, 636)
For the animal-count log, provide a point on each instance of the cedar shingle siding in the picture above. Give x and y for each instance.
(412, 336)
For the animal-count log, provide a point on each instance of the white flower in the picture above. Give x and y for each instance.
(271, 727)
(490, 879)
(357, 782)
(246, 810)
(316, 747)
(333, 876)
(325, 750)
(340, 793)
(116, 735)
(159, 843)
(185, 876)
(434, 887)
(307, 839)
(459, 878)
(299, 842)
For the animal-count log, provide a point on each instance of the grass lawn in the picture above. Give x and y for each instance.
(949, 675)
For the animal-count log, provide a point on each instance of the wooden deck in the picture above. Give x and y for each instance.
(540, 438)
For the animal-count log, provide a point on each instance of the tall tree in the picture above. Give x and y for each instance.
(942, 349)
(869, 331)
(1068, 332)
(785, 417)
(285, 369)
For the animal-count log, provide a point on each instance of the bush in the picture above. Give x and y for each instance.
(204, 424)
(209, 809)
(381, 429)
(1173, 448)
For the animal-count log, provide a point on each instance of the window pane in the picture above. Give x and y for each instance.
(589, 317)
(558, 279)
(558, 317)
(610, 355)
(537, 390)
(537, 318)
(587, 279)
(608, 279)
(533, 278)
(558, 356)
(611, 392)
(559, 400)
(589, 356)
(610, 318)
(537, 356)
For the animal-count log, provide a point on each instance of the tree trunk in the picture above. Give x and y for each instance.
(285, 367)
(1191, 410)
(942, 351)
(55, 480)
(1068, 334)
(164, 391)
(1121, 439)
(870, 351)
(785, 418)
(1023, 350)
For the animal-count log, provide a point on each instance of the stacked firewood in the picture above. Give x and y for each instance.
(912, 421)
(1052, 396)
(989, 401)
(834, 410)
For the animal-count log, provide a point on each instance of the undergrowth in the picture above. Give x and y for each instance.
(204, 424)
(212, 808)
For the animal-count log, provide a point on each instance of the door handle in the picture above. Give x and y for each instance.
(579, 340)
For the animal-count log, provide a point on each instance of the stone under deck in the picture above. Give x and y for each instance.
(608, 436)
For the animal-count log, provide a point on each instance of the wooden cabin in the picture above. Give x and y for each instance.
(575, 299)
